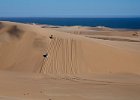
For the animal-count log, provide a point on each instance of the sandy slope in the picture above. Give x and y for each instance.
(22, 47)
(78, 67)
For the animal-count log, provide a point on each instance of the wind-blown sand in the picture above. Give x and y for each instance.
(83, 63)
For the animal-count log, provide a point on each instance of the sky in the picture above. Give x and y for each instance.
(69, 8)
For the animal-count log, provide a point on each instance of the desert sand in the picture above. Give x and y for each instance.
(83, 63)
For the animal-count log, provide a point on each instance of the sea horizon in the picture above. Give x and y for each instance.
(111, 22)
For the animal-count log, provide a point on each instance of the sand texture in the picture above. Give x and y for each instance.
(82, 63)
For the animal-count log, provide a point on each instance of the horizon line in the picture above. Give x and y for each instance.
(72, 17)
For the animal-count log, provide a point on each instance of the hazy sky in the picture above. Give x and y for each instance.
(69, 8)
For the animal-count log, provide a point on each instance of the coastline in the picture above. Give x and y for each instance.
(118, 23)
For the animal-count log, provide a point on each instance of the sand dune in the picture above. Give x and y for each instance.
(22, 48)
(102, 31)
(103, 64)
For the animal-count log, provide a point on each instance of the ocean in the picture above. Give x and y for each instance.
(121, 23)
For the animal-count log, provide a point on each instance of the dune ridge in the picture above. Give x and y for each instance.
(67, 53)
